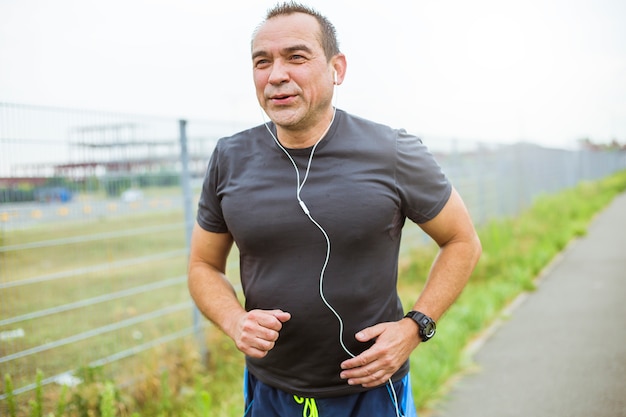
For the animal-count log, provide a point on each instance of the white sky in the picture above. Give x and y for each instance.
(547, 71)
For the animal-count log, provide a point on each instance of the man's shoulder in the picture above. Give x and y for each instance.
(243, 140)
(377, 131)
(362, 122)
(365, 129)
(247, 134)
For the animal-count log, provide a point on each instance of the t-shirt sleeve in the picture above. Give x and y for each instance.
(210, 216)
(422, 185)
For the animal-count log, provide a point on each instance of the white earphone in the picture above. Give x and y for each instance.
(305, 209)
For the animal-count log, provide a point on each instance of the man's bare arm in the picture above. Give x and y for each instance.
(459, 252)
(254, 332)
(460, 249)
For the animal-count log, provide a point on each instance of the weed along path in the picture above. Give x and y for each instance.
(562, 351)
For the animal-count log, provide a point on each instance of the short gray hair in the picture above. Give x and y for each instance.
(328, 34)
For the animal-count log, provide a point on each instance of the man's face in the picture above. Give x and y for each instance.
(293, 79)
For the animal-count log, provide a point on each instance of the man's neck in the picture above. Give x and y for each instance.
(300, 138)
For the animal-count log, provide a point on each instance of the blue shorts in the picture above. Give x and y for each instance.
(261, 400)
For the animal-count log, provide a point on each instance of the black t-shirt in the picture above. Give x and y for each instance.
(364, 180)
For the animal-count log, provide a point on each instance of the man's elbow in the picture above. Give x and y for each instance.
(476, 249)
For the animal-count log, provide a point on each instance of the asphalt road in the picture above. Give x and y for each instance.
(562, 352)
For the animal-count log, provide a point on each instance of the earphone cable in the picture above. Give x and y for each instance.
(299, 186)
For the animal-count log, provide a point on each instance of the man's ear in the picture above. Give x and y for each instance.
(339, 64)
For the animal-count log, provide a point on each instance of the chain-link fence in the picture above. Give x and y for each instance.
(95, 215)
(93, 243)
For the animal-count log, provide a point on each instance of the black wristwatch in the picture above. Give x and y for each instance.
(426, 325)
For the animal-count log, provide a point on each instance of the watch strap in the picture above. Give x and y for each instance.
(426, 326)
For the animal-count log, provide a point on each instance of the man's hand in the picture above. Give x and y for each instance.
(256, 331)
(394, 343)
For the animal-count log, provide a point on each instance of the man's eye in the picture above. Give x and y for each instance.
(261, 63)
(297, 58)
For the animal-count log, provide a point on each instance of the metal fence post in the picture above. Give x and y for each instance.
(185, 182)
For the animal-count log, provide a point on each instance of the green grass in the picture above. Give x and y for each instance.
(28, 263)
(174, 380)
(515, 252)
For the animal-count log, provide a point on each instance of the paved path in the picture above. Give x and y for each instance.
(562, 353)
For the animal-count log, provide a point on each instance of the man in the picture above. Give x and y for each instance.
(315, 201)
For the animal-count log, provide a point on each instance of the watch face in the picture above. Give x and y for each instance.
(427, 326)
(429, 330)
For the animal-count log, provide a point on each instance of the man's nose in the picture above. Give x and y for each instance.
(279, 74)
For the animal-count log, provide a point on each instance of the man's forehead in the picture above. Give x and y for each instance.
(288, 30)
